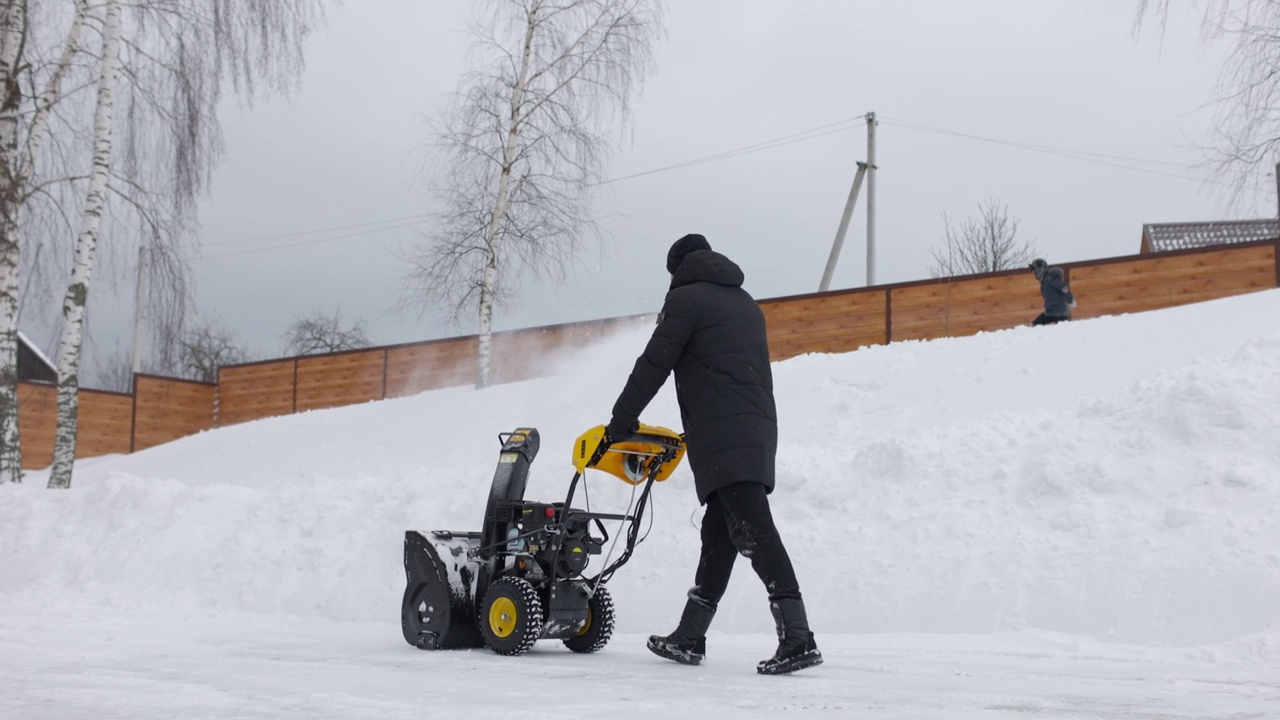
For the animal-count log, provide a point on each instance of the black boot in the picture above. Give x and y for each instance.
(688, 644)
(796, 648)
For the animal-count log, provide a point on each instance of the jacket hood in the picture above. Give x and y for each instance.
(1053, 272)
(707, 266)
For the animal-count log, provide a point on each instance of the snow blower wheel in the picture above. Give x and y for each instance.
(599, 626)
(522, 577)
(511, 618)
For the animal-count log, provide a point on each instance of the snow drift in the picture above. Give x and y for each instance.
(1116, 478)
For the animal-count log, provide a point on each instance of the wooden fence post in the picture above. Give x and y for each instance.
(386, 358)
(133, 421)
(888, 316)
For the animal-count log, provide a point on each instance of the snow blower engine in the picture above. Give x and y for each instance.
(523, 576)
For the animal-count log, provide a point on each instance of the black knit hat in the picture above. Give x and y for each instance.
(685, 245)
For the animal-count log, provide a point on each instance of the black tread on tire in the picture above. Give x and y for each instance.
(511, 616)
(599, 628)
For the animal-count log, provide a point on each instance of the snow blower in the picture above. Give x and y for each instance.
(523, 576)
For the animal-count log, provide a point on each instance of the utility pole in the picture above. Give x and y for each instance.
(844, 226)
(139, 302)
(868, 170)
(871, 199)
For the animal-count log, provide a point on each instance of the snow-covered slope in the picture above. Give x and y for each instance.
(1117, 478)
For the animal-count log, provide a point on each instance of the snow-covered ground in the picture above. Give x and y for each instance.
(1072, 522)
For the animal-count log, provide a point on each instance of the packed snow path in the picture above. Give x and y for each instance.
(269, 667)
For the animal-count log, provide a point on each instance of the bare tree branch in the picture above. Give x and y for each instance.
(320, 333)
(1246, 143)
(987, 243)
(207, 346)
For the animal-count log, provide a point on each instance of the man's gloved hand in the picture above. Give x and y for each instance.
(618, 430)
(1071, 304)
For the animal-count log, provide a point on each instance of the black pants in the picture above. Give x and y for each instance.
(737, 520)
(1048, 320)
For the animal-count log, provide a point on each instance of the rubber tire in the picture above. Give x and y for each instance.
(528, 616)
(599, 626)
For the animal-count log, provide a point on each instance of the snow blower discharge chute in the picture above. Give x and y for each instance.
(523, 576)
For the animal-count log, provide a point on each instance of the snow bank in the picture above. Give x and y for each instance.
(1114, 478)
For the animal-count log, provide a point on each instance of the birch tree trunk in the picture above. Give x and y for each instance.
(13, 23)
(64, 449)
(10, 449)
(484, 357)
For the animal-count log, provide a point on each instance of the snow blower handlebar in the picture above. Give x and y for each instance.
(650, 450)
(649, 455)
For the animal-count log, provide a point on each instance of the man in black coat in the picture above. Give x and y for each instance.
(711, 334)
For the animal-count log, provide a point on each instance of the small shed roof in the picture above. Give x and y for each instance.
(33, 364)
(1163, 237)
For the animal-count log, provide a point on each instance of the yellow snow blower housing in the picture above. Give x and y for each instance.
(630, 460)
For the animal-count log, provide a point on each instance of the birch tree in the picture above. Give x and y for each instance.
(522, 143)
(64, 448)
(31, 87)
(12, 33)
(1246, 123)
(178, 55)
(982, 244)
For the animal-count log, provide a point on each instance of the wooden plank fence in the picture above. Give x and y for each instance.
(164, 409)
(412, 369)
(248, 392)
(105, 423)
(1147, 282)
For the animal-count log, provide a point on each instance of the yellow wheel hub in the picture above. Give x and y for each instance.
(502, 617)
(586, 626)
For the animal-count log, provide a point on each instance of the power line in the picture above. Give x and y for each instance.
(1062, 152)
(809, 134)
(839, 126)
(856, 121)
(320, 230)
(1029, 146)
(747, 149)
(313, 242)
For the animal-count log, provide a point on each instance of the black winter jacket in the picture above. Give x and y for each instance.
(1058, 299)
(711, 333)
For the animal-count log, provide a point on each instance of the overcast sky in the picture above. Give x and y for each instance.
(1068, 74)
